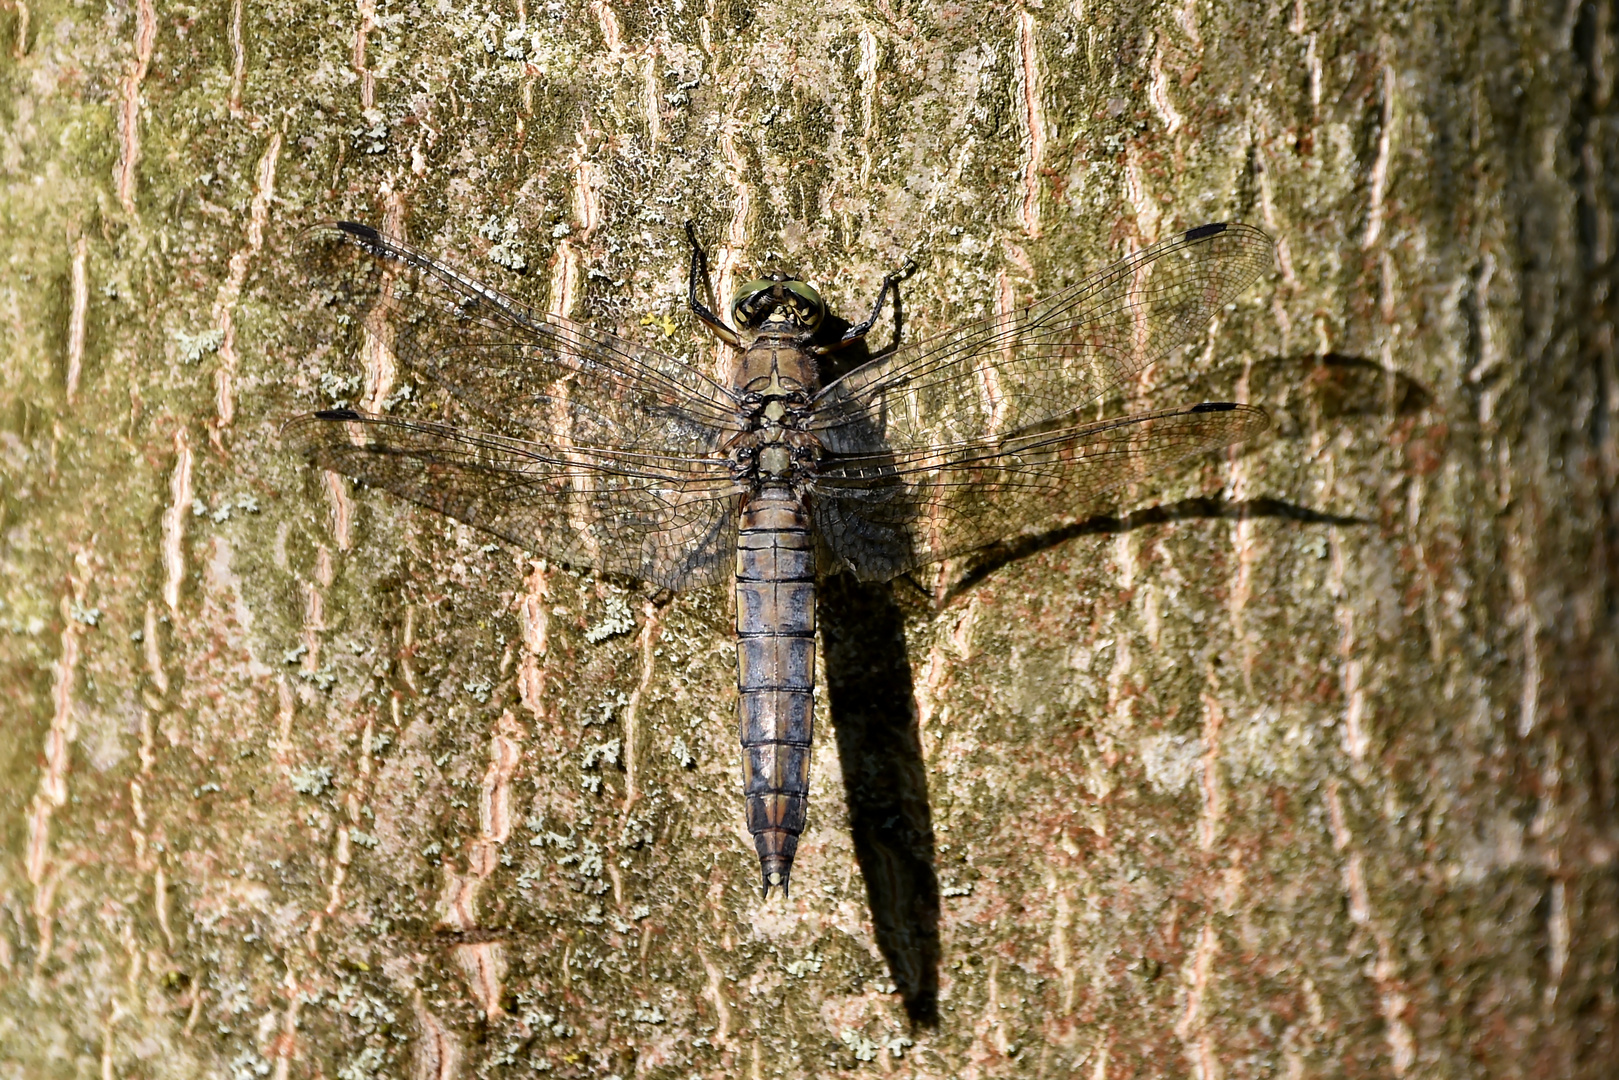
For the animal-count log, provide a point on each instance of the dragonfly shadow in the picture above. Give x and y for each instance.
(872, 702)
(992, 558)
(871, 697)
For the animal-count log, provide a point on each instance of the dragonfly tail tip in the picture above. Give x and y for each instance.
(777, 877)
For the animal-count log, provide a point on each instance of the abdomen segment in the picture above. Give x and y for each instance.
(775, 664)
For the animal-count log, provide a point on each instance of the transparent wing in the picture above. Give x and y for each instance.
(668, 520)
(1008, 373)
(565, 382)
(884, 513)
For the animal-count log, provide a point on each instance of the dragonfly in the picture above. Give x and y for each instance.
(605, 454)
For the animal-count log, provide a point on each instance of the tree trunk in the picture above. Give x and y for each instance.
(1298, 760)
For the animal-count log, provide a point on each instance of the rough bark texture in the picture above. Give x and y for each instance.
(1301, 763)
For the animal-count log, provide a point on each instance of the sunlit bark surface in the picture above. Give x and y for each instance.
(1297, 761)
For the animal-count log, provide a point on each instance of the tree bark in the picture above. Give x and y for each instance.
(1297, 761)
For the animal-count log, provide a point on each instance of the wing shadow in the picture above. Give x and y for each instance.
(873, 706)
(990, 559)
(1333, 386)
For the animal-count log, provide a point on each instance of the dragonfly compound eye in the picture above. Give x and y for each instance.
(805, 302)
(753, 301)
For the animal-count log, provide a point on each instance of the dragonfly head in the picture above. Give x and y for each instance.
(778, 303)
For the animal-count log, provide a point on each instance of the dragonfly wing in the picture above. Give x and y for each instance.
(511, 362)
(888, 512)
(1044, 361)
(668, 520)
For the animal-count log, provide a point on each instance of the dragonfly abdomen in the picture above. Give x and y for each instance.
(775, 662)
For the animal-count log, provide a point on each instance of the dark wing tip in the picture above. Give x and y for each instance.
(354, 228)
(1203, 232)
(327, 226)
(1252, 415)
(312, 433)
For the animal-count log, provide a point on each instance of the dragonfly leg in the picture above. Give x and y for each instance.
(890, 284)
(699, 271)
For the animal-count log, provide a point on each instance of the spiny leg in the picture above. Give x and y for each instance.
(859, 331)
(699, 272)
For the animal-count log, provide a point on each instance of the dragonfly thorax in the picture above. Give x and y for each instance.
(776, 460)
(774, 448)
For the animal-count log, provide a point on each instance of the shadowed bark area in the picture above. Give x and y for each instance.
(1297, 760)
(871, 701)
